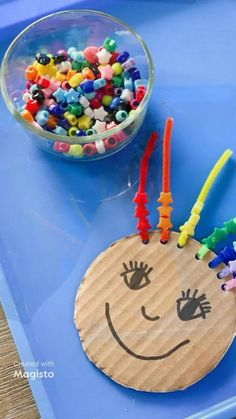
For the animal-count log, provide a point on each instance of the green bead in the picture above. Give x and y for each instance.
(91, 131)
(85, 64)
(106, 100)
(76, 66)
(230, 226)
(75, 109)
(117, 81)
(109, 44)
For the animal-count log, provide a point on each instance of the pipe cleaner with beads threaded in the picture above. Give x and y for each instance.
(140, 198)
(188, 228)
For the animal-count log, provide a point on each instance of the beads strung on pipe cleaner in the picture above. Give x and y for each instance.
(188, 228)
(140, 198)
(229, 285)
(217, 236)
(165, 197)
(229, 270)
(225, 255)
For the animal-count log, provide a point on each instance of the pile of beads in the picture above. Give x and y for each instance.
(82, 93)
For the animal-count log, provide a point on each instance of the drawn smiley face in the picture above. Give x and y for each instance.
(150, 316)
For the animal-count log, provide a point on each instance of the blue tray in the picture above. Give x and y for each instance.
(56, 216)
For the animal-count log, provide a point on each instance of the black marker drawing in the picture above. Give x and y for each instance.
(139, 275)
(123, 346)
(188, 305)
(146, 316)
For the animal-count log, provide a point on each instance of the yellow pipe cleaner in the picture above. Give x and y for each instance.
(188, 228)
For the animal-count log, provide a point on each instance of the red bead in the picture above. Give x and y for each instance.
(114, 56)
(108, 89)
(99, 94)
(43, 82)
(32, 106)
(95, 103)
(89, 149)
(140, 93)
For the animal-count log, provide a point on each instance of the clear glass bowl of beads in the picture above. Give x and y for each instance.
(78, 28)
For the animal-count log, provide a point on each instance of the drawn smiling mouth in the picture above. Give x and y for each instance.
(123, 346)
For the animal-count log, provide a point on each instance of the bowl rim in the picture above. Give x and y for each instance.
(46, 135)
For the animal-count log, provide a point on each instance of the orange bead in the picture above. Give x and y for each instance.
(70, 74)
(27, 116)
(30, 73)
(52, 122)
(88, 73)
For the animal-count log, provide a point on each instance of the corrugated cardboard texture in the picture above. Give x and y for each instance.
(141, 326)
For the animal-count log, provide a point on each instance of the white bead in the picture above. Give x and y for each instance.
(89, 112)
(128, 64)
(26, 96)
(100, 147)
(64, 66)
(127, 95)
(100, 113)
(84, 102)
(103, 56)
(99, 126)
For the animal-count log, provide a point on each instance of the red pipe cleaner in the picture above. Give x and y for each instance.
(140, 198)
(165, 197)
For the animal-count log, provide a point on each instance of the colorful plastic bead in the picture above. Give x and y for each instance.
(117, 81)
(61, 147)
(99, 126)
(106, 72)
(84, 122)
(78, 56)
(87, 86)
(95, 103)
(103, 56)
(42, 117)
(91, 131)
(106, 100)
(70, 118)
(30, 73)
(90, 54)
(27, 116)
(134, 104)
(128, 64)
(76, 80)
(88, 73)
(75, 109)
(110, 44)
(60, 131)
(89, 149)
(59, 95)
(99, 83)
(123, 57)
(127, 95)
(100, 147)
(42, 58)
(128, 84)
(89, 112)
(100, 113)
(72, 131)
(121, 116)
(83, 101)
(115, 102)
(111, 142)
(76, 150)
(32, 106)
(117, 69)
(72, 96)
(64, 67)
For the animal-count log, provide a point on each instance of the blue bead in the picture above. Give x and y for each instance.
(79, 90)
(63, 106)
(72, 96)
(87, 86)
(90, 96)
(34, 88)
(135, 75)
(98, 83)
(64, 123)
(77, 56)
(141, 82)
(122, 57)
(128, 84)
(80, 133)
(60, 131)
(114, 103)
(71, 50)
(59, 94)
(42, 117)
(55, 110)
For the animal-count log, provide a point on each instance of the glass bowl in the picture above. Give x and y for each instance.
(79, 28)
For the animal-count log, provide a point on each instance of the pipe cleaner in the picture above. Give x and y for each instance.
(140, 198)
(165, 197)
(217, 236)
(188, 228)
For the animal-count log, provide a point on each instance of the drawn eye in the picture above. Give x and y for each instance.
(191, 307)
(136, 275)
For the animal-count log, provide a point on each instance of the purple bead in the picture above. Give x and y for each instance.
(28, 84)
(64, 123)
(135, 75)
(55, 110)
(87, 86)
(122, 57)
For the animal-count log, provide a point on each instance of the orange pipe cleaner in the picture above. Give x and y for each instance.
(165, 197)
(140, 198)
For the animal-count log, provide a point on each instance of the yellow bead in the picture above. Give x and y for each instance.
(76, 150)
(106, 100)
(70, 118)
(117, 69)
(41, 69)
(72, 131)
(51, 70)
(84, 122)
(60, 77)
(76, 80)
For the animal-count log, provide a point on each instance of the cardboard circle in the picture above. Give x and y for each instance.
(153, 317)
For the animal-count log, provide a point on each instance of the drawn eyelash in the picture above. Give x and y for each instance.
(188, 304)
(140, 275)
